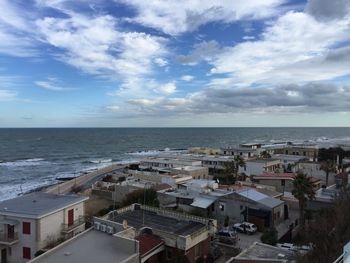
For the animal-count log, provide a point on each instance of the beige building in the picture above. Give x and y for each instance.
(283, 182)
(31, 222)
(309, 151)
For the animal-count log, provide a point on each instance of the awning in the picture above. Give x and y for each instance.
(202, 202)
(9, 222)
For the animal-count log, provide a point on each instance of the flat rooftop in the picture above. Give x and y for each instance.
(263, 160)
(89, 247)
(38, 203)
(267, 252)
(135, 218)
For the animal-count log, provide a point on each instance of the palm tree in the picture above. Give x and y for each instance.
(302, 190)
(229, 170)
(328, 166)
(239, 162)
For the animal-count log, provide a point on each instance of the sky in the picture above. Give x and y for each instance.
(166, 63)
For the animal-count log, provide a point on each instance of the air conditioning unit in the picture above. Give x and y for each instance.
(97, 225)
(110, 230)
(103, 228)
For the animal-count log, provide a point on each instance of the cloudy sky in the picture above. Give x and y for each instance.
(121, 63)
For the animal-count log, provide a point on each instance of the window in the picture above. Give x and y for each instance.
(26, 252)
(283, 182)
(26, 228)
(9, 251)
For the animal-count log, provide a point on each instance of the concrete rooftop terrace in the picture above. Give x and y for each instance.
(90, 246)
(135, 218)
(264, 252)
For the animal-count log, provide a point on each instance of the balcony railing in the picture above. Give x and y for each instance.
(66, 228)
(6, 239)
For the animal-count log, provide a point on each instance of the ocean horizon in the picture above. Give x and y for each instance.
(35, 157)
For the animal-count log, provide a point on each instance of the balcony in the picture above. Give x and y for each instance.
(67, 228)
(8, 240)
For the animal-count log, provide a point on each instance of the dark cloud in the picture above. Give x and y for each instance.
(311, 97)
(328, 9)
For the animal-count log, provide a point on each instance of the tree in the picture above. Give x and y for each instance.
(239, 162)
(229, 171)
(328, 231)
(328, 166)
(232, 168)
(303, 191)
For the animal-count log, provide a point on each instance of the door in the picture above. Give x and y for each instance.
(70, 217)
(4, 255)
(10, 232)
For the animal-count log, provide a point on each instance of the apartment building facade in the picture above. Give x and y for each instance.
(31, 222)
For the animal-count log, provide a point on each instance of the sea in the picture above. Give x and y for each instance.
(33, 158)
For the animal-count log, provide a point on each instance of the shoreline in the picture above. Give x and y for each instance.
(81, 181)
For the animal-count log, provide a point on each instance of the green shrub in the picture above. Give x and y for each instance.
(270, 237)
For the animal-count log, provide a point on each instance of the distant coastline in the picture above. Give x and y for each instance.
(33, 158)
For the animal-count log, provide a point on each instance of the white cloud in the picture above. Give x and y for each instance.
(187, 78)
(161, 62)
(113, 108)
(16, 31)
(11, 16)
(167, 88)
(248, 38)
(6, 95)
(96, 46)
(295, 38)
(175, 17)
(50, 84)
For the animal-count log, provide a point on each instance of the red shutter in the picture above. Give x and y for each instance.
(70, 217)
(26, 252)
(26, 228)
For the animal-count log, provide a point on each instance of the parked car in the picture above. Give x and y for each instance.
(226, 233)
(227, 237)
(245, 227)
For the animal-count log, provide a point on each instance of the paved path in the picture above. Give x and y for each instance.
(84, 181)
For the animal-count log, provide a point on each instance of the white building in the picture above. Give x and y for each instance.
(31, 222)
(158, 163)
(258, 166)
